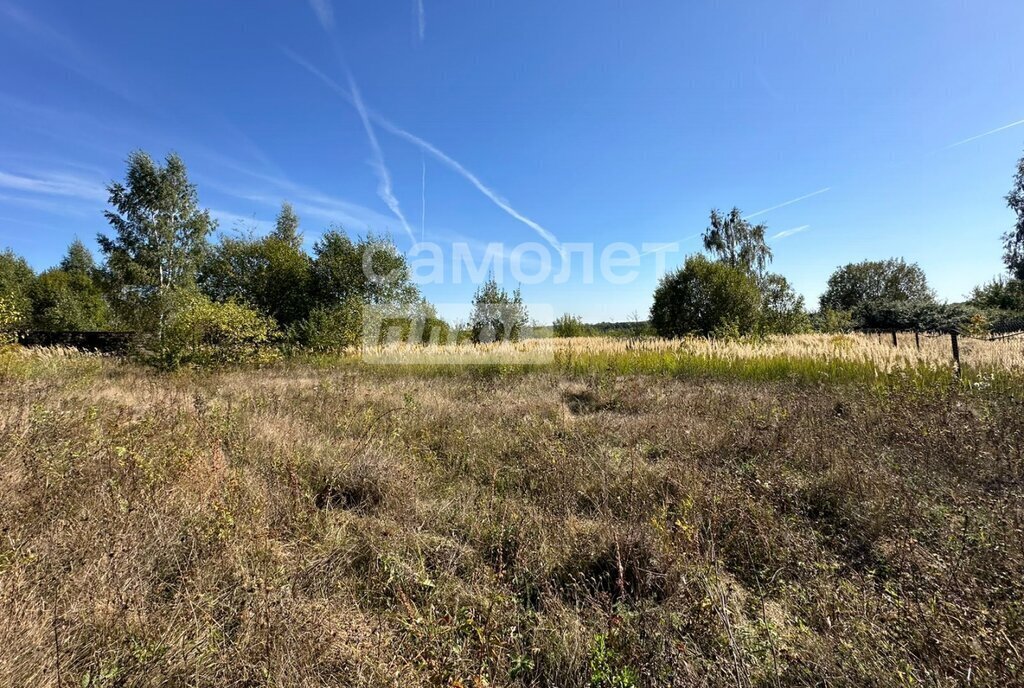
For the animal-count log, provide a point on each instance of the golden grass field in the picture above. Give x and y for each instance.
(627, 514)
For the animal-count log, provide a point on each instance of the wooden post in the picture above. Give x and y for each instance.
(955, 340)
(894, 344)
(917, 339)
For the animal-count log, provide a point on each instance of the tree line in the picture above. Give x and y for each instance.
(730, 292)
(192, 299)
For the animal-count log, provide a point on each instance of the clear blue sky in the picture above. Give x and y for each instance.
(599, 121)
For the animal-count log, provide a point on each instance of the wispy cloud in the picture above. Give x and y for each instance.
(228, 219)
(789, 232)
(54, 184)
(789, 202)
(421, 19)
(987, 133)
(435, 152)
(67, 52)
(324, 12)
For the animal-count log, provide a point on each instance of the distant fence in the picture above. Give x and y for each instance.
(1009, 331)
(101, 342)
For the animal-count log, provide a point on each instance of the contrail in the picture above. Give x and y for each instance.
(783, 205)
(790, 232)
(324, 12)
(434, 151)
(421, 19)
(470, 177)
(384, 189)
(987, 133)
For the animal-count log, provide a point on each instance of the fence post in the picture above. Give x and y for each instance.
(917, 339)
(955, 340)
(894, 344)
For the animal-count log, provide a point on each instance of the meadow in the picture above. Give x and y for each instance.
(809, 510)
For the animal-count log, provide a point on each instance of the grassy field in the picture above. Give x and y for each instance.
(809, 511)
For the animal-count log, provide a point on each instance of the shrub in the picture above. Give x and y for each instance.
(703, 296)
(9, 318)
(202, 332)
(332, 328)
(569, 325)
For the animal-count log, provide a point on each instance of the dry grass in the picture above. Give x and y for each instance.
(304, 526)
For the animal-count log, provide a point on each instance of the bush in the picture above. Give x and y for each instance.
(9, 318)
(202, 332)
(570, 326)
(832, 321)
(703, 297)
(332, 328)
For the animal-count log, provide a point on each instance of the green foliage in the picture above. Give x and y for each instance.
(1001, 293)
(16, 280)
(736, 242)
(568, 325)
(331, 328)
(497, 315)
(1013, 240)
(832, 321)
(920, 315)
(286, 228)
(856, 284)
(369, 268)
(269, 274)
(160, 238)
(9, 319)
(606, 668)
(782, 309)
(202, 332)
(68, 300)
(703, 297)
(78, 259)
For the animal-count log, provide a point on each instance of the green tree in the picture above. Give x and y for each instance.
(497, 315)
(782, 309)
(736, 242)
(159, 241)
(703, 297)
(857, 285)
(369, 268)
(70, 296)
(78, 259)
(16, 280)
(286, 228)
(1001, 293)
(268, 273)
(1013, 240)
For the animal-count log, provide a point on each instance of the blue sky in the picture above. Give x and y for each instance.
(595, 121)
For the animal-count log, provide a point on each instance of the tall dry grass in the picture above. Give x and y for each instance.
(349, 526)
